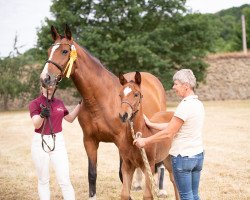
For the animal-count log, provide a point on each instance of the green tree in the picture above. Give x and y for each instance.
(18, 76)
(228, 24)
(144, 35)
(238, 30)
(193, 38)
(11, 85)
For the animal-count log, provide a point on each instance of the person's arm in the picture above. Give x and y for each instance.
(168, 133)
(37, 121)
(158, 126)
(73, 114)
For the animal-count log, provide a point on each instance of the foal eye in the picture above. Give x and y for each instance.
(64, 52)
(136, 94)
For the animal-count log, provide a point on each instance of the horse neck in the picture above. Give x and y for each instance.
(91, 77)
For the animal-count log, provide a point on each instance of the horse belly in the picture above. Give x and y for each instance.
(97, 129)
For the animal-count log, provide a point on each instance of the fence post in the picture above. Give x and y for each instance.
(244, 41)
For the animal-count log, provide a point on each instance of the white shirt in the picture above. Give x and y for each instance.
(188, 141)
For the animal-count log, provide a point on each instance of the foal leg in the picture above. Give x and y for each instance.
(91, 147)
(127, 173)
(137, 184)
(148, 195)
(167, 163)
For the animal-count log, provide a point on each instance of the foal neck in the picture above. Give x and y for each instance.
(139, 123)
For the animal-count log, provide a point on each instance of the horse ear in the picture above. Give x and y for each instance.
(137, 78)
(54, 33)
(68, 32)
(122, 79)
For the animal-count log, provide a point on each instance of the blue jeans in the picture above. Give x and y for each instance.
(187, 172)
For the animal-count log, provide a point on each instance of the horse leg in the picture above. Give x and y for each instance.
(120, 170)
(127, 173)
(137, 184)
(167, 163)
(91, 147)
(160, 169)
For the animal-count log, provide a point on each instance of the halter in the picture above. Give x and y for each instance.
(134, 111)
(71, 60)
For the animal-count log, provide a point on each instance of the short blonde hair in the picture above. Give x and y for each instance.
(185, 76)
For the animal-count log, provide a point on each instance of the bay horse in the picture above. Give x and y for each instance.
(99, 88)
(131, 110)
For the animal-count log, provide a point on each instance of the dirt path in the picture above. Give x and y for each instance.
(226, 174)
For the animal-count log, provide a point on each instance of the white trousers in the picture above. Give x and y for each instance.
(59, 160)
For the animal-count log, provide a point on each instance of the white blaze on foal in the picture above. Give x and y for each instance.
(45, 69)
(127, 90)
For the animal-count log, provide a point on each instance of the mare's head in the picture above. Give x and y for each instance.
(61, 55)
(131, 96)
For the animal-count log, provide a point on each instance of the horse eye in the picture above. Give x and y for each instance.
(64, 52)
(136, 94)
(58, 78)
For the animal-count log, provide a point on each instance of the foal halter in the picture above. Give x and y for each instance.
(136, 109)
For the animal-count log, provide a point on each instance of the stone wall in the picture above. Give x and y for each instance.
(227, 78)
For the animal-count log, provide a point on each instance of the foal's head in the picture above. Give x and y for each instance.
(130, 97)
(61, 55)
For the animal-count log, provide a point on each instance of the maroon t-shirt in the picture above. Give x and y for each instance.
(57, 112)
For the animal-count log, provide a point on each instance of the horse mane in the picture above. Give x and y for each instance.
(96, 60)
(93, 57)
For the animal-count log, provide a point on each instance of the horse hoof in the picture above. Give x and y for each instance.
(137, 188)
(92, 198)
(162, 194)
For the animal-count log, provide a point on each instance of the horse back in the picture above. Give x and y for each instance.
(162, 148)
(162, 117)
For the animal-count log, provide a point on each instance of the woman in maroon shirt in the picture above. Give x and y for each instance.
(48, 141)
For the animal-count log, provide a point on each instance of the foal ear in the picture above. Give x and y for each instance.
(138, 78)
(67, 32)
(54, 33)
(122, 79)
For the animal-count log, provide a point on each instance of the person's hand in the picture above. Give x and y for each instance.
(140, 142)
(45, 112)
(146, 120)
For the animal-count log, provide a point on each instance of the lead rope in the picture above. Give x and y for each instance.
(154, 189)
(51, 129)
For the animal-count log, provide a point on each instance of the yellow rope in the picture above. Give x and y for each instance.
(72, 58)
(154, 189)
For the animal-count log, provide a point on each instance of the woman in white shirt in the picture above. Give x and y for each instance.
(185, 132)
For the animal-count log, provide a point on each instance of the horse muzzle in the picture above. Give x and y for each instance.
(123, 117)
(50, 80)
